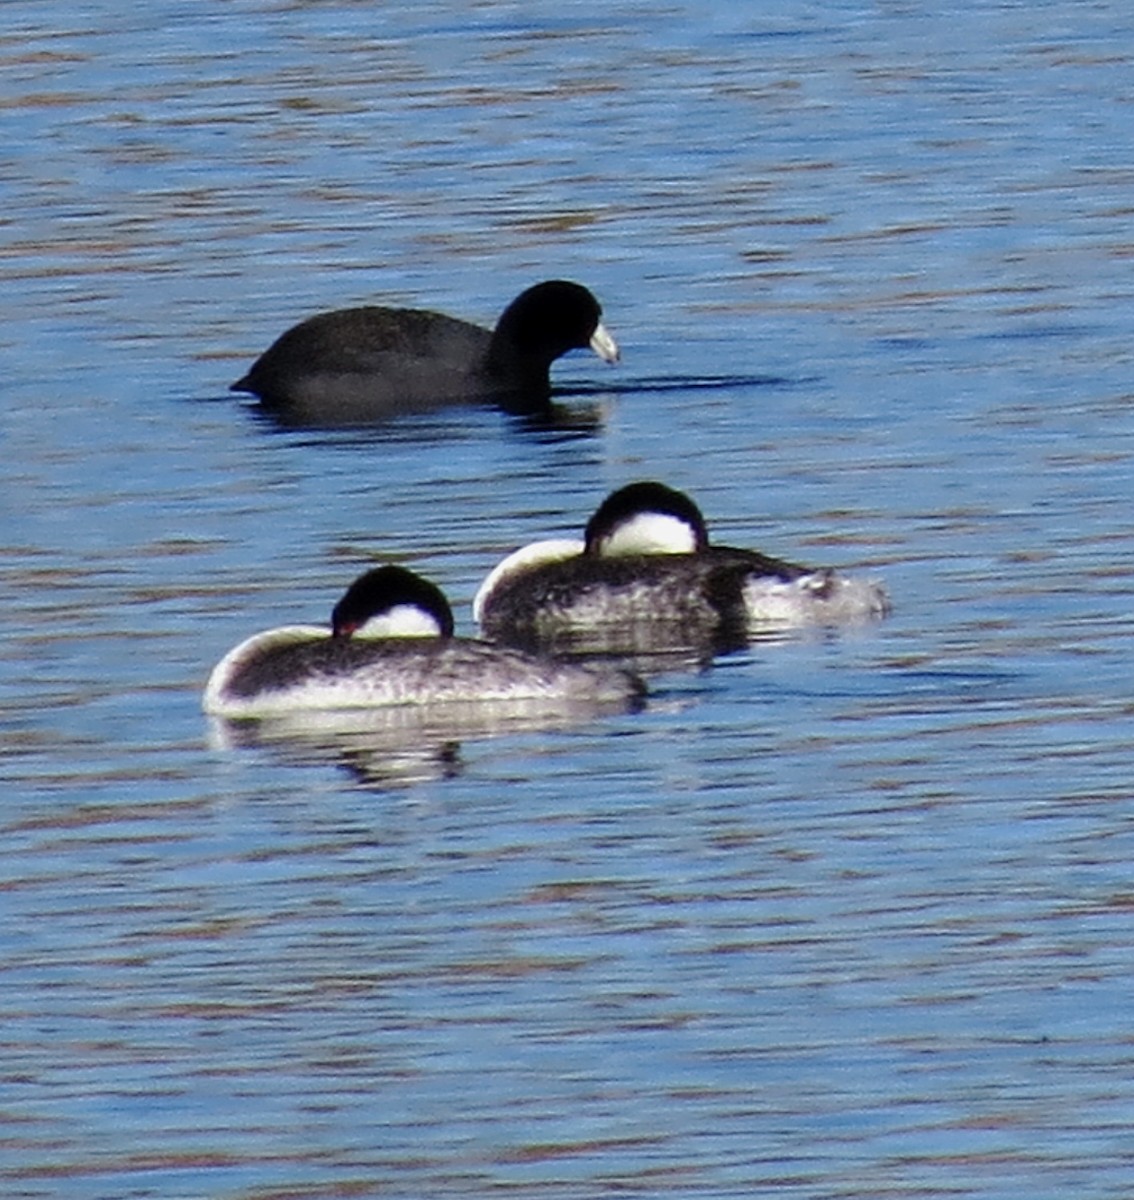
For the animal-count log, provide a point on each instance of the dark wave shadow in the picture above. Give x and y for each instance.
(684, 383)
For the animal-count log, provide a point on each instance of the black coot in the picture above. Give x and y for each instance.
(359, 365)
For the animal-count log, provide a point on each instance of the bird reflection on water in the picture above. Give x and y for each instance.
(401, 746)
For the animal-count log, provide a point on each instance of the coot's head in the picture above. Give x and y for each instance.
(545, 322)
(392, 602)
(646, 518)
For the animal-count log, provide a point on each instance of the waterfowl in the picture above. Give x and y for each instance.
(391, 642)
(362, 365)
(646, 564)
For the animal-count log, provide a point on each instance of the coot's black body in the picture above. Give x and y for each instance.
(361, 365)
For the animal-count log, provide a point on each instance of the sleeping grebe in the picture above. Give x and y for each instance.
(646, 564)
(391, 642)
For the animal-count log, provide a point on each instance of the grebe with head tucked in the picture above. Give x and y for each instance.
(646, 563)
(391, 642)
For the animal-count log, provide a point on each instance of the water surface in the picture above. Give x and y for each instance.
(843, 916)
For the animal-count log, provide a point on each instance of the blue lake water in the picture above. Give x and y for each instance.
(844, 916)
